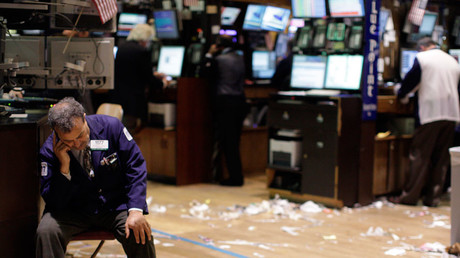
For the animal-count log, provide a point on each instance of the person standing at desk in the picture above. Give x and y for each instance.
(282, 76)
(434, 77)
(92, 175)
(225, 68)
(134, 76)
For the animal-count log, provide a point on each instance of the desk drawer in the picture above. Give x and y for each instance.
(298, 117)
(391, 104)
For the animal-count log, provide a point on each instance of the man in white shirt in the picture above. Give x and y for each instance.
(434, 78)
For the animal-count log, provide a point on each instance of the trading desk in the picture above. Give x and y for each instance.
(19, 193)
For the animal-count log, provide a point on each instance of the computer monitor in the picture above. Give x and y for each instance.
(263, 64)
(407, 60)
(428, 22)
(253, 17)
(308, 8)
(171, 60)
(81, 63)
(346, 8)
(27, 50)
(344, 72)
(127, 21)
(229, 15)
(275, 19)
(308, 72)
(166, 24)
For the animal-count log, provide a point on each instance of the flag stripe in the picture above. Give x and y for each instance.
(106, 9)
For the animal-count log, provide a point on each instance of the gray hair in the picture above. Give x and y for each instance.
(141, 32)
(61, 116)
(425, 42)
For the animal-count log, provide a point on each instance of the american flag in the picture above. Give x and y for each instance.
(417, 10)
(106, 9)
(190, 2)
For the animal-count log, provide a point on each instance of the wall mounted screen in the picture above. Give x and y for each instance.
(346, 8)
(308, 8)
(166, 24)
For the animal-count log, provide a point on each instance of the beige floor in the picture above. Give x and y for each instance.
(206, 220)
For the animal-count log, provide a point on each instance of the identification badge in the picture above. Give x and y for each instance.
(127, 134)
(44, 171)
(99, 145)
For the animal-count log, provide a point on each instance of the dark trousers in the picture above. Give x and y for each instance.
(56, 230)
(429, 162)
(229, 114)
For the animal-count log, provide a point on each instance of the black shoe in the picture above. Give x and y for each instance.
(232, 182)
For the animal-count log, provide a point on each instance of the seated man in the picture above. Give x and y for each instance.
(92, 175)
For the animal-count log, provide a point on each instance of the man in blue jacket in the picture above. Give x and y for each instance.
(92, 175)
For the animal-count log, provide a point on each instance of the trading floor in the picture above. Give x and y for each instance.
(208, 220)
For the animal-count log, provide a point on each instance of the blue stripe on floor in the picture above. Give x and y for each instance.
(199, 243)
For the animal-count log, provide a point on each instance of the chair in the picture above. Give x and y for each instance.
(111, 109)
(95, 234)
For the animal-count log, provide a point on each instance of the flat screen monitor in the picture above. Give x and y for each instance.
(407, 61)
(228, 15)
(308, 72)
(344, 72)
(263, 64)
(166, 26)
(428, 23)
(308, 8)
(455, 53)
(275, 19)
(127, 21)
(253, 17)
(346, 8)
(170, 60)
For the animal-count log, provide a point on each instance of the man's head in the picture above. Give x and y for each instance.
(225, 41)
(68, 119)
(142, 33)
(425, 43)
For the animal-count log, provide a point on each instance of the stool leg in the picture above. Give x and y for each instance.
(98, 248)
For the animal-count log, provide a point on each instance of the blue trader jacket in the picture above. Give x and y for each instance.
(117, 186)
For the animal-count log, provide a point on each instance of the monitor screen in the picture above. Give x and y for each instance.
(308, 8)
(343, 72)
(383, 20)
(308, 72)
(229, 15)
(253, 17)
(166, 24)
(428, 23)
(275, 18)
(170, 60)
(407, 60)
(346, 8)
(263, 64)
(455, 53)
(127, 21)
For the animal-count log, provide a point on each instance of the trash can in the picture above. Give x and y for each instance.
(455, 195)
